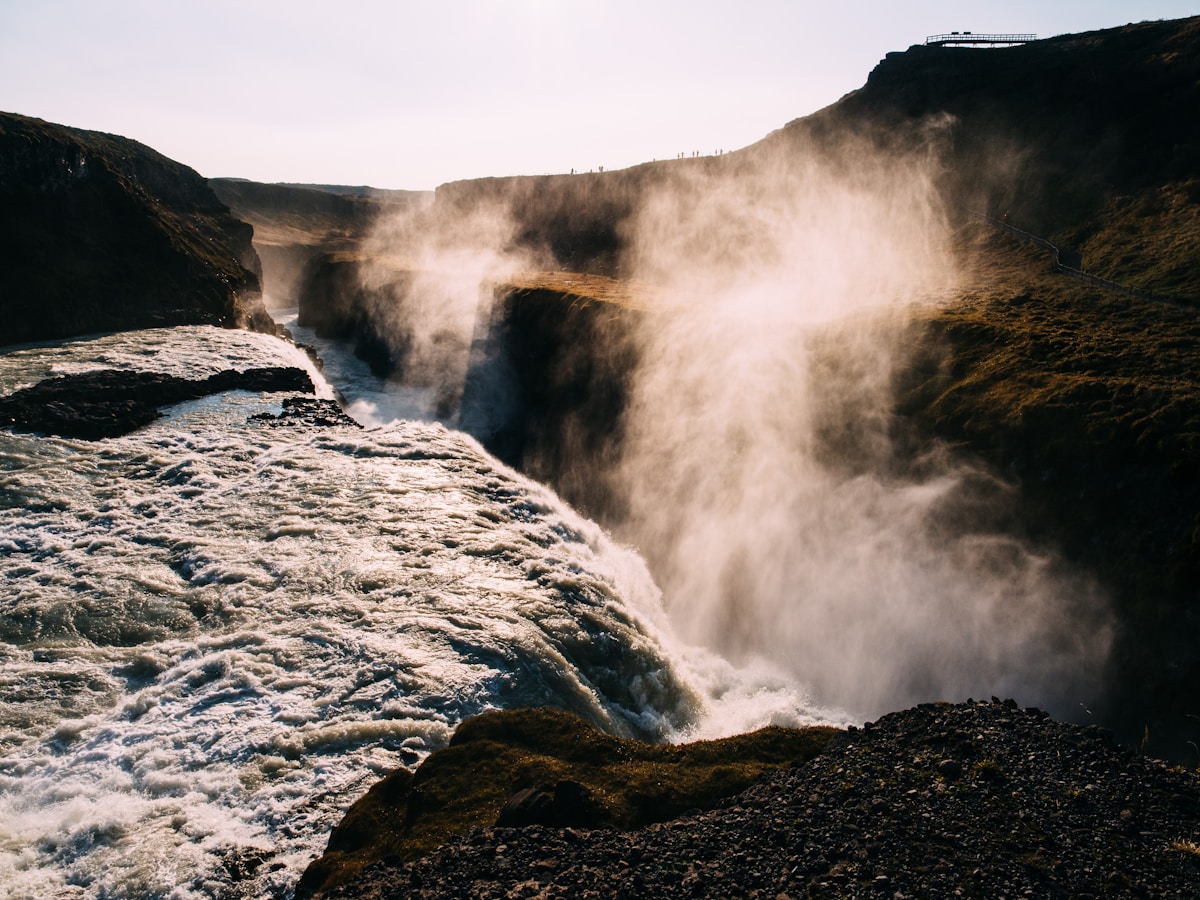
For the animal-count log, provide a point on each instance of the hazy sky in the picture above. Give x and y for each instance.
(409, 94)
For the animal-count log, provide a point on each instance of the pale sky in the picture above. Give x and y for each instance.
(409, 94)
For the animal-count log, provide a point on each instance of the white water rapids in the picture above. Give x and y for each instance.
(215, 634)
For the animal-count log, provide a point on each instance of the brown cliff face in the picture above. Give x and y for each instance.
(1086, 139)
(1089, 140)
(101, 233)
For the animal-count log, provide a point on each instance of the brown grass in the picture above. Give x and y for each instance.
(631, 784)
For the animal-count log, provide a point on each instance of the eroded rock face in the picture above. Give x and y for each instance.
(101, 233)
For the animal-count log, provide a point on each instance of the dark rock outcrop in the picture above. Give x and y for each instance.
(978, 799)
(335, 302)
(548, 387)
(101, 233)
(306, 412)
(569, 805)
(112, 402)
(546, 767)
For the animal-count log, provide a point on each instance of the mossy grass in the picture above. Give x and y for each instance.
(1089, 400)
(631, 784)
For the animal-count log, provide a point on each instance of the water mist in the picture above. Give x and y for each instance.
(759, 467)
(427, 275)
(758, 473)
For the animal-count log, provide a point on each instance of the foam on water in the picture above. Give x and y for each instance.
(215, 634)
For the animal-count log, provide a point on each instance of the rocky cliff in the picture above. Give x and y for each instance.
(549, 382)
(101, 233)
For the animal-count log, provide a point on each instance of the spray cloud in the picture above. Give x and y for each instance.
(427, 275)
(759, 466)
(759, 473)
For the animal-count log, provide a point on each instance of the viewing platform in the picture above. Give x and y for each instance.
(970, 39)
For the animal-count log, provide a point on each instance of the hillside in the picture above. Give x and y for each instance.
(1082, 139)
(297, 226)
(1089, 401)
(101, 233)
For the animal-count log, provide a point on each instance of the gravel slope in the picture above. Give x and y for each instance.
(981, 799)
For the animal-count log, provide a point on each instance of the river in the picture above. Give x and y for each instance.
(216, 634)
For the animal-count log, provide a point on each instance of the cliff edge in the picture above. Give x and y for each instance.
(101, 233)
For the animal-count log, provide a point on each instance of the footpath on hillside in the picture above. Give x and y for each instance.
(1068, 262)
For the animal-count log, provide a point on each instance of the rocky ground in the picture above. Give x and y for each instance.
(980, 799)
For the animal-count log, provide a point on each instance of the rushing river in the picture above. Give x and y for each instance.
(216, 634)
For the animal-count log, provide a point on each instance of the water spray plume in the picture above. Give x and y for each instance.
(429, 275)
(759, 470)
(760, 467)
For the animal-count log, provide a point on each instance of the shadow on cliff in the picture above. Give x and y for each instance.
(101, 233)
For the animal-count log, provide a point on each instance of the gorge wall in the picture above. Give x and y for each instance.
(296, 227)
(548, 386)
(547, 373)
(101, 233)
(1087, 403)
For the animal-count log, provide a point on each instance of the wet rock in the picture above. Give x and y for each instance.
(950, 769)
(527, 807)
(307, 413)
(112, 402)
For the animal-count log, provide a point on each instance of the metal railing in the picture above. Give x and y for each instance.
(968, 38)
(1183, 302)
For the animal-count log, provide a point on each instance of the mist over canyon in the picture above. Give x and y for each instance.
(753, 453)
(897, 405)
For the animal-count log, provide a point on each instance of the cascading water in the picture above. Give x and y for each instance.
(215, 634)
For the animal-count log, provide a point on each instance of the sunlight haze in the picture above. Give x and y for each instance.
(411, 95)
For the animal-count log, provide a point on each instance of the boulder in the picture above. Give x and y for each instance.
(112, 402)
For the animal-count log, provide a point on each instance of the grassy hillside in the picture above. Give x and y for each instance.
(1090, 401)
